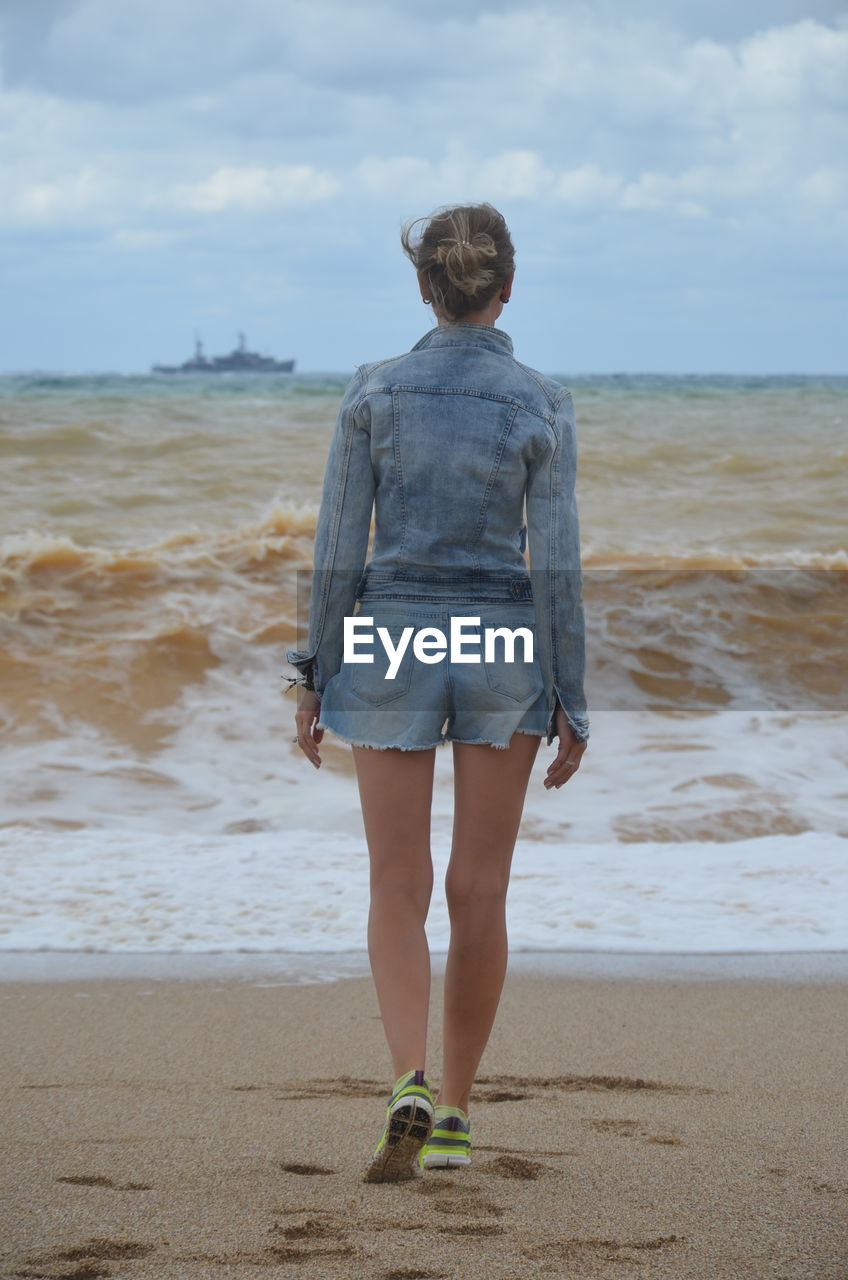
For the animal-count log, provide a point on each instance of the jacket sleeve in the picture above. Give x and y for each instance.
(554, 539)
(341, 540)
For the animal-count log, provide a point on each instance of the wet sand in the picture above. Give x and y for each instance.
(623, 1126)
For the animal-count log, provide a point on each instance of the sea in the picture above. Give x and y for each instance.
(151, 797)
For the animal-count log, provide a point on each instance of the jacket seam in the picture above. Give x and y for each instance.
(373, 365)
(490, 483)
(552, 554)
(399, 471)
(564, 395)
(338, 506)
(552, 399)
(392, 388)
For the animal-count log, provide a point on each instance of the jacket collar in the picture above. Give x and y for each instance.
(465, 333)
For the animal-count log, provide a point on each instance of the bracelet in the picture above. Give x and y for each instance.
(304, 680)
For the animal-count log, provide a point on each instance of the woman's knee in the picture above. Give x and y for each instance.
(476, 892)
(404, 886)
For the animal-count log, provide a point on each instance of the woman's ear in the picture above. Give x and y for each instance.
(424, 286)
(507, 287)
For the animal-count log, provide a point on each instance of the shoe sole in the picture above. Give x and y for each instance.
(434, 1161)
(410, 1126)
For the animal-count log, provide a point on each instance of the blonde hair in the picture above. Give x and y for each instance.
(466, 253)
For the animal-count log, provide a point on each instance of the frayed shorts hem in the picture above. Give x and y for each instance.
(499, 746)
(428, 746)
(381, 746)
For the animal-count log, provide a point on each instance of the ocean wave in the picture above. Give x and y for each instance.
(98, 631)
(127, 890)
(286, 533)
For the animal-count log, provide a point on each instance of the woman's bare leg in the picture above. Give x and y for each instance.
(396, 790)
(489, 790)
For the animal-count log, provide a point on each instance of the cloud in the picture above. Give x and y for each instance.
(588, 187)
(506, 175)
(254, 188)
(297, 104)
(519, 175)
(139, 127)
(69, 198)
(797, 65)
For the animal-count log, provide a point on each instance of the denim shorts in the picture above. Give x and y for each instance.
(424, 704)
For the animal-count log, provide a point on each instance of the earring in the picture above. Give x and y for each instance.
(504, 300)
(426, 301)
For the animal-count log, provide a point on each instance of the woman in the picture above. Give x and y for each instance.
(447, 443)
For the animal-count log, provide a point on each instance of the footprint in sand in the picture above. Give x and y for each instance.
(515, 1167)
(335, 1087)
(412, 1273)
(611, 1124)
(615, 1084)
(582, 1250)
(631, 1129)
(448, 1199)
(500, 1095)
(96, 1180)
(322, 1087)
(328, 1234)
(307, 1170)
(87, 1256)
(100, 1247)
(292, 1253)
(473, 1229)
(78, 1271)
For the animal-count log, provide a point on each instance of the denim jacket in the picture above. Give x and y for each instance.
(449, 442)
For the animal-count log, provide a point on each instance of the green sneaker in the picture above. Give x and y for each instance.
(449, 1145)
(409, 1123)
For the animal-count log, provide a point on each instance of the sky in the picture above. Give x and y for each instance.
(674, 175)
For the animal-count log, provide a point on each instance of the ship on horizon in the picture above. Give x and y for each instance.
(240, 360)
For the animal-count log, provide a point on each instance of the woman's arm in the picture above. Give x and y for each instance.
(341, 540)
(553, 529)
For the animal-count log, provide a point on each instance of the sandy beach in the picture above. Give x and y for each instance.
(622, 1127)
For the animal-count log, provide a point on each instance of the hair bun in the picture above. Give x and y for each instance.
(466, 253)
(463, 262)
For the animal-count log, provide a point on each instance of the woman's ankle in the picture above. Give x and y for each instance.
(462, 1103)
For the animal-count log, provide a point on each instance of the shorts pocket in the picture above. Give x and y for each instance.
(370, 680)
(515, 679)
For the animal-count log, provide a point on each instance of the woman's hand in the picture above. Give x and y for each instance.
(568, 756)
(308, 736)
